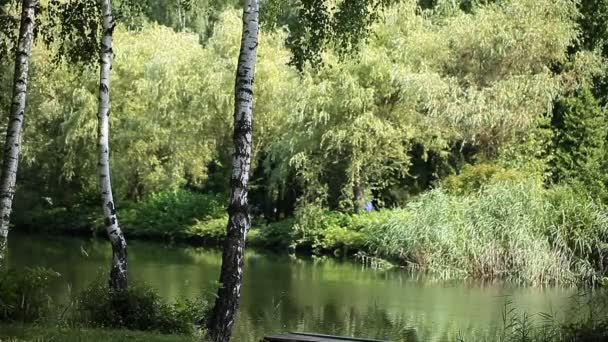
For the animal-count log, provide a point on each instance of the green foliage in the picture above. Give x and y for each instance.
(171, 214)
(147, 149)
(272, 235)
(74, 29)
(330, 231)
(429, 90)
(170, 120)
(24, 294)
(580, 142)
(320, 25)
(578, 224)
(198, 16)
(212, 230)
(437, 79)
(34, 212)
(473, 178)
(593, 25)
(9, 24)
(138, 308)
(346, 132)
(517, 230)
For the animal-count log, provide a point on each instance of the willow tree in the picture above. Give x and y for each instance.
(223, 315)
(12, 144)
(435, 80)
(118, 272)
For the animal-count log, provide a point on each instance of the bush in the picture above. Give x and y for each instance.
(472, 178)
(24, 294)
(272, 235)
(138, 308)
(213, 230)
(180, 214)
(332, 231)
(170, 213)
(322, 229)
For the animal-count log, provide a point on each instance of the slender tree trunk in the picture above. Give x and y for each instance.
(181, 15)
(231, 275)
(12, 144)
(358, 197)
(118, 273)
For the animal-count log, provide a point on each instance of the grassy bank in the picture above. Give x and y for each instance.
(517, 326)
(521, 231)
(507, 228)
(94, 313)
(28, 332)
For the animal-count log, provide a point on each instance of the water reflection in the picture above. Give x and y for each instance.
(283, 293)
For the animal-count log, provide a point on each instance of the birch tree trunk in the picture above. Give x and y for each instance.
(118, 273)
(181, 15)
(223, 315)
(12, 144)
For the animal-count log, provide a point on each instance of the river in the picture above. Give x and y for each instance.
(286, 293)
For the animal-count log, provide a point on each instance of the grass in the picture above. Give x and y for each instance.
(515, 230)
(585, 321)
(25, 298)
(39, 333)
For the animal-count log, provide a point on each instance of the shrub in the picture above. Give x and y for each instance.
(272, 235)
(24, 294)
(322, 229)
(213, 230)
(332, 231)
(171, 213)
(474, 177)
(138, 308)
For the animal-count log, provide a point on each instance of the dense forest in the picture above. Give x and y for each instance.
(467, 138)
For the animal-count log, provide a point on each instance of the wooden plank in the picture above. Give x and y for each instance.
(338, 337)
(293, 338)
(311, 337)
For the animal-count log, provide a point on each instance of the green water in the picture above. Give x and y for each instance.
(283, 293)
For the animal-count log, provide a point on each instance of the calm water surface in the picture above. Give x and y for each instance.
(283, 293)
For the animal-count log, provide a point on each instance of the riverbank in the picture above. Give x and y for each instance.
(518, 230)
(515, 328)
(285, 293)
(30, 332)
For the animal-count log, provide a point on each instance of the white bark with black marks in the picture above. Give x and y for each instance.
(12, 144)
(224, 311)
(181, 16)
(118, 273)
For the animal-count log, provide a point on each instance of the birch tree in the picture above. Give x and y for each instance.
(12, 144)
(231, 275)
(118, 273)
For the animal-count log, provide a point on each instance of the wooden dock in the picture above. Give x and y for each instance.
(309, 337)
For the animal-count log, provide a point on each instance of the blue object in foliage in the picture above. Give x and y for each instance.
(369, 206)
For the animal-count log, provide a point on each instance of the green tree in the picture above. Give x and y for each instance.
(423, 82)
(579, 155)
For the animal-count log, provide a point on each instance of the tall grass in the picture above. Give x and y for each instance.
(516, 229)
(586, 321)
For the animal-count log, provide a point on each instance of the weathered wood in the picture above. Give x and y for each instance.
(310, 337)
